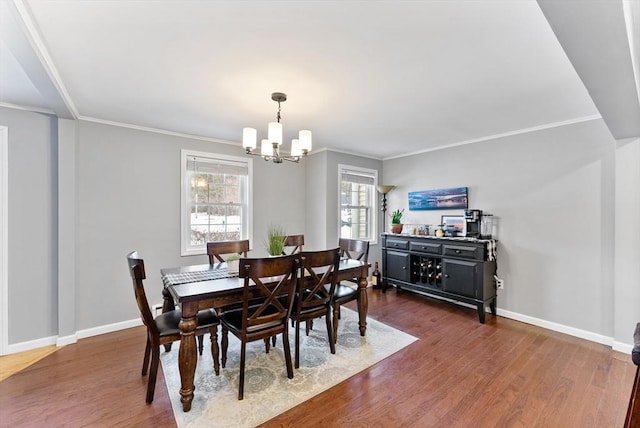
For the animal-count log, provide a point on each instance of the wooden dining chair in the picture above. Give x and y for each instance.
(313, 296)
(163, 329)
(356, 249)
(293, 244)
(217, 249)
(267, 297)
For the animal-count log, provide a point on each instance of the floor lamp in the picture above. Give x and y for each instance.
(384, 189)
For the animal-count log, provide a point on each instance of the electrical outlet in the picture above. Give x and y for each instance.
(500, 284)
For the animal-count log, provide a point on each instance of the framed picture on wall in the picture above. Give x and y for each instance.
(438, 199)
(457, 221)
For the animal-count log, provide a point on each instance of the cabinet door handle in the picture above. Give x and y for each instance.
(447, 276)
(458, 251)
(404, 268)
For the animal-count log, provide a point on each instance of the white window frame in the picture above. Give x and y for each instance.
(373, 227)
(186, 249)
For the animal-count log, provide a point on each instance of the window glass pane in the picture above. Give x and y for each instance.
(216, 196)
(357, 199)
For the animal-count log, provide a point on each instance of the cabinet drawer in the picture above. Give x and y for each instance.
(465, 251)
(398, 244)
(425, 247)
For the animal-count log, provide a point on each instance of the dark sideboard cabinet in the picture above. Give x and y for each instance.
(458, 269)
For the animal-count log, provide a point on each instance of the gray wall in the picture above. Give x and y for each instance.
(32, 216)
(553, 191)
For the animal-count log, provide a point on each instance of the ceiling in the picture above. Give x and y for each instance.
(381, 79)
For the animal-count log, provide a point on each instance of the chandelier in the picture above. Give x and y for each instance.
(270, 147)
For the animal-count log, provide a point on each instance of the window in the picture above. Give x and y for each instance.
(215, 199)
(357, 203)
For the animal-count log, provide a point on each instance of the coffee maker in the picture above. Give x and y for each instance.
(473, 219)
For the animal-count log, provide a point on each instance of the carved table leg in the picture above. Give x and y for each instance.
(188, 357)
(363, 303)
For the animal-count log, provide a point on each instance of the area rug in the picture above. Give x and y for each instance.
(267, 391)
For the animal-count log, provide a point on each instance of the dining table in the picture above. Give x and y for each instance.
(204, 286)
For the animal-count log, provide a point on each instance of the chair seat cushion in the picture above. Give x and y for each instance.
(168, 322)
(345, 292)
(233, 320)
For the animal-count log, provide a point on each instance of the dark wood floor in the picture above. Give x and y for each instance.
(460, 373)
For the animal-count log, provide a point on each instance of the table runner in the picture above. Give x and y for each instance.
(186, 277)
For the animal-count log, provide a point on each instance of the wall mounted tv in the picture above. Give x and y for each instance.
(438, 199)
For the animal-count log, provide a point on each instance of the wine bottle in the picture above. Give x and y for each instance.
(376, 277)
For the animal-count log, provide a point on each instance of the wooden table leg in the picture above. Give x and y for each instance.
(363, 303)
(187, 357)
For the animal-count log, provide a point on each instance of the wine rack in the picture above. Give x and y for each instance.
(426, 270)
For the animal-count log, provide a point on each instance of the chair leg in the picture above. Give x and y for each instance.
(287, 352)
(153, 372)
(332, 343)
(224, 343)
(145, 360)
(336, 316)
(200, 344)
(267, 344)
(297, 359)
(273, 340)
(215, 352)
(242, 359)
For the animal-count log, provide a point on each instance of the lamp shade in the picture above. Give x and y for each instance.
(266, 148)
(275, 132)
(385, 188)
(305, 140)
(249, 138)
(296, 150)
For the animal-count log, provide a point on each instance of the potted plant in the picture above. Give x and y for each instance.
(396, 221)
(276, 237)
(233, 263)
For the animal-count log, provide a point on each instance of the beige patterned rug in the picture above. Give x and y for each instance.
(268, 392)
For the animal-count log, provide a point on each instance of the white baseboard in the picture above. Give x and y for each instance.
(31, 344)
(625, 348)
(66, 340)
(109, 328)
(73, 338)
(576, 332)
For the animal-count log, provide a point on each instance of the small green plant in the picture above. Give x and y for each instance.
(233, 257)
(396, 216)
(276, 237)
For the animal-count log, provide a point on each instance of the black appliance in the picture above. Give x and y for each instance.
(473, 219)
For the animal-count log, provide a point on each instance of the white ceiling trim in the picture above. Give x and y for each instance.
(158, 131)
(28, 108)
(45, 59)
(502, 135)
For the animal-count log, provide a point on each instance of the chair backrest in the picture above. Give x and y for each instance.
(215, 250)
(354, 249)
(136, 269)
(295, 241)
(317, 268)
(266, 279)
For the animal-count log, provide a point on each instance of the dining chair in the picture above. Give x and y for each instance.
(295, 241)
(272, 280)
(163, 329)
(313, 299)
(356, 249)
(217, 249)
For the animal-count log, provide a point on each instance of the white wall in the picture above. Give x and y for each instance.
(553, 191)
